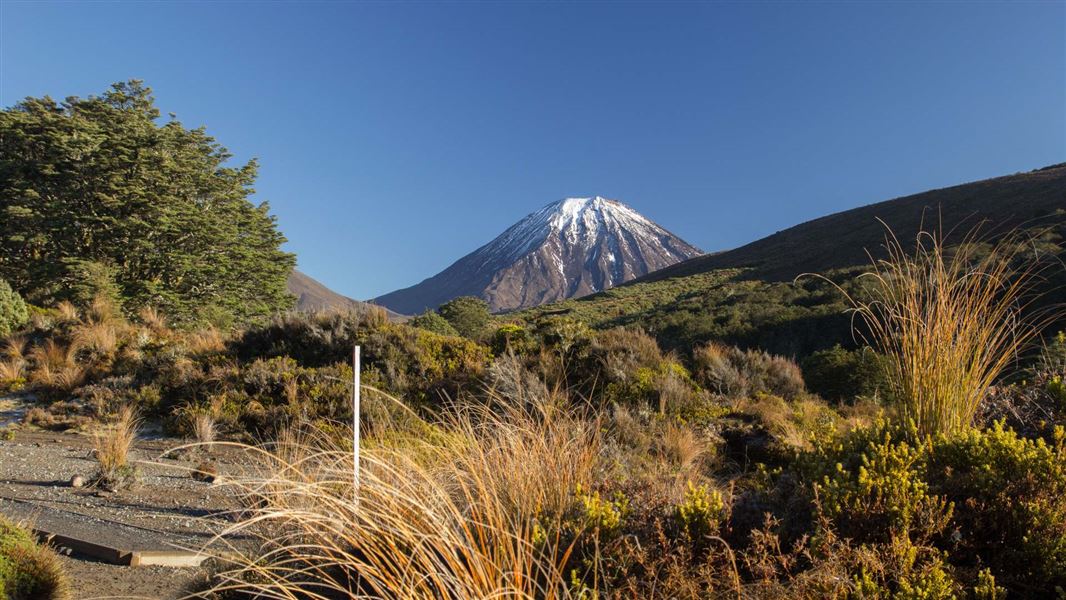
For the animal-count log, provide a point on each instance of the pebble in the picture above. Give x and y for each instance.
(77, 481)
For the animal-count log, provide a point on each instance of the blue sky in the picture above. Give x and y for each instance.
(396, 137)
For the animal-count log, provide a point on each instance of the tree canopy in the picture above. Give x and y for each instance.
(467, 314)
(95, 193)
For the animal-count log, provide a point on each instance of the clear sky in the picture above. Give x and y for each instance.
(396, 137)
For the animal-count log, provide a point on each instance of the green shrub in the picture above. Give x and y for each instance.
(985, 498)
(512, 337)
(843, 375)
(467, 314)
(431, 321)
(1010, 499)
(13, 310)
(28, 571)
(700, 512)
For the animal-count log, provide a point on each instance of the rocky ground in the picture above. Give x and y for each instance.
(169, 506)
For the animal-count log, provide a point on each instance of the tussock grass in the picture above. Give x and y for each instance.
(950, 321)
(456, 513)
(12, 369)
(203, 428)
(112, 445)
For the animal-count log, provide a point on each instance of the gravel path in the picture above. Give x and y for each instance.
(166, 504)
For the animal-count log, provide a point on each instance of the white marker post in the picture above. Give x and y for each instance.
(355, 424)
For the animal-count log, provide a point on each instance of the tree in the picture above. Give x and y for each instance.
(13, 311)
(431, 321)
(467, 314)
(96, 186)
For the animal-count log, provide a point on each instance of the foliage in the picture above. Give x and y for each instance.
(13, 311)
(737, 373)
(28, 571)
(843, 375)
(467, 314)
(700, 512)
(983, 498)
(100, 199)
(949, 322)
(432, 321)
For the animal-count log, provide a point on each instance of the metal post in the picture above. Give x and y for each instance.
(355, 422)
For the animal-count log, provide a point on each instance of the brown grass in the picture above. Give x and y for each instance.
(446, 510)
(950, 322)
(112, 444)
(153, 319)
(12, 369)
(67, 311)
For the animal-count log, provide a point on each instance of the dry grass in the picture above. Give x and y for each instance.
(456, 513)
(97, 339)
(203, 428)
(67, 311)
(113, 444)
(100, 310)
(12, 369)
(205, 341)
(153, 319)
(950, 322)
(15, 347)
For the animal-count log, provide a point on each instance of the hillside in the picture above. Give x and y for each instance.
(747, 296)
(569, 248)
(312, 295)
(841, 239)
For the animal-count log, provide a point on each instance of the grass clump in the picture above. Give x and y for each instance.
(28, 571)
(949, 322)
(112, 444)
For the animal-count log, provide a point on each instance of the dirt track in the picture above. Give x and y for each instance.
(167, 506)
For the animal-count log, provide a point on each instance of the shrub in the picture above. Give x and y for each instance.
(1010, 499)
(700, 512)
(984, 498)
(28, 571)
(431, 321)
(514, 338)
(843, 375)
(737, 373)
(13, 311)
(467, 314)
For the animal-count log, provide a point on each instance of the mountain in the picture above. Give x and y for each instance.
(842, 239)
(312, 295)
(569, 248)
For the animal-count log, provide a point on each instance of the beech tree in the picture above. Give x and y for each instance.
(96, 192)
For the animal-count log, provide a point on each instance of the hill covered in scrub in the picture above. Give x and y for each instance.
(312, 295)
(756, 296)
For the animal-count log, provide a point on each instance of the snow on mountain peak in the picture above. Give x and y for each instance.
(570, 247)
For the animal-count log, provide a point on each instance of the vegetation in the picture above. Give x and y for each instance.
(949, 325)
(28, 571)
(112, 446)
(13, 311)
(467, 314)
(100, 200)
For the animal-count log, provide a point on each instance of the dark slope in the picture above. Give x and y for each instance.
(841, 239)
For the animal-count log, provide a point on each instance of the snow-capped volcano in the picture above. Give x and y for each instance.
(572, 247)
